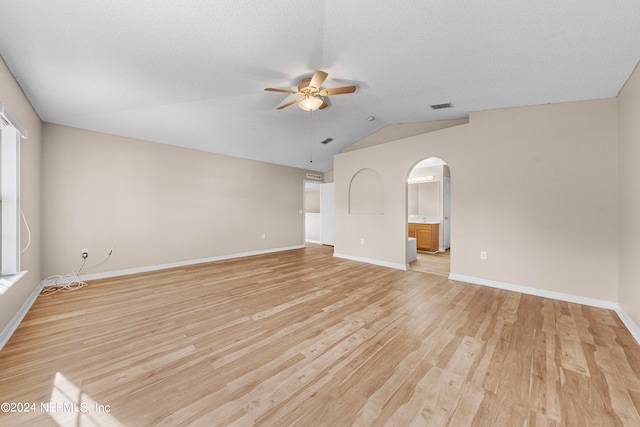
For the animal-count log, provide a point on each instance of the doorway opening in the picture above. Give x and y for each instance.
(312, 217)
(318, 213)
(429, 216)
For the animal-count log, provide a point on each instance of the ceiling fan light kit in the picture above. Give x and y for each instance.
(311, 92)
(310, 103)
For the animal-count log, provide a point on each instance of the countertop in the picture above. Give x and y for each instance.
(424, 221)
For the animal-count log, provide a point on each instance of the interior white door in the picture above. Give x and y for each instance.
(326, 214)
(447, 212)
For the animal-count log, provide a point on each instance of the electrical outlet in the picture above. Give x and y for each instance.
(85, 253)
(483, 255)
(362, 241)
(264, 236)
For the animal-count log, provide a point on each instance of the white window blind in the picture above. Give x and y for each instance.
(10, 134)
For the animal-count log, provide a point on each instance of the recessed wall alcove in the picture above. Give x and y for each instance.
(366, 193)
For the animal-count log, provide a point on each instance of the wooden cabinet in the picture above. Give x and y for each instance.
(427, 236)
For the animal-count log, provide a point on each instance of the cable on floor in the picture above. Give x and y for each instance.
(71, 281)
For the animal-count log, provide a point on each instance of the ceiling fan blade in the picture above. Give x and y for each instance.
(295, 101)
(323, 106)
(337, 90)
(318, 78)
(270, 89)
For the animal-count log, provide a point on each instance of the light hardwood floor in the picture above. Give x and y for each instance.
(438, 263)
(302, 338)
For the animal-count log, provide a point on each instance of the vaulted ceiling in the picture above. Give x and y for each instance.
(192, 73)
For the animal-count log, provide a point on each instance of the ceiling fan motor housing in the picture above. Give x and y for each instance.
(306, 89)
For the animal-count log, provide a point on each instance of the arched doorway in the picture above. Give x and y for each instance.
(429, 216)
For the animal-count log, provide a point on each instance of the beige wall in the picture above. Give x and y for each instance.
(16, 102)
(401, 130)
(312, 201)
(328, 176)
(159, 204)
(532, 186)
(629, 178)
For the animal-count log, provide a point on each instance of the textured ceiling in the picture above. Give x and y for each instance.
(192, 73)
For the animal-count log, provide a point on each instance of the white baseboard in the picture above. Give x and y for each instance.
(314, 241)
(629, 323)
(146, 269)
(561, 296)
(17, 318)
(372, 261)
(633, 329)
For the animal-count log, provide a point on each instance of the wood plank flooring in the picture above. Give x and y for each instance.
(438, 263)
(304, 339)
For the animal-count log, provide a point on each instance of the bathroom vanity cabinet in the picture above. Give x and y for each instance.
(426, 235)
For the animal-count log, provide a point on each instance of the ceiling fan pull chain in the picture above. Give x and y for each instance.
(311, 139)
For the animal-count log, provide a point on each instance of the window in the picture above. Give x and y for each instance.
(10, 134)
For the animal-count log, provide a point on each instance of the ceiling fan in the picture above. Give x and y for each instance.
(312, 95)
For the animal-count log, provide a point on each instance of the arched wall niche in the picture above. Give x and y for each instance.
(366, 193)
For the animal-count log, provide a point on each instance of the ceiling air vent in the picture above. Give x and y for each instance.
(326, 141)
(441, 106)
